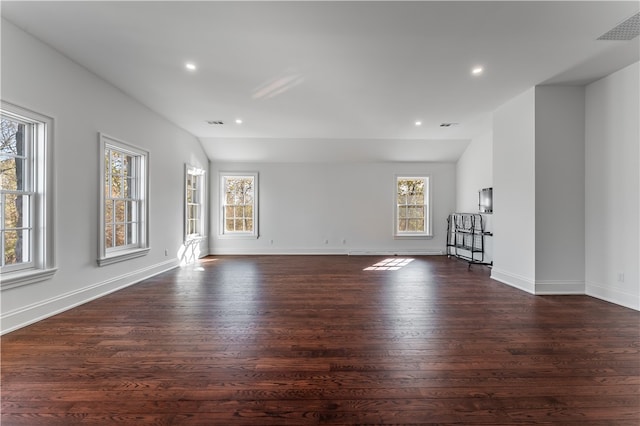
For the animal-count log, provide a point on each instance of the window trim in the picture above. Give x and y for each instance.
(106, 256)
(195, 171)
(428, 232)
(43, 265)
(256, 201)
(32, 136)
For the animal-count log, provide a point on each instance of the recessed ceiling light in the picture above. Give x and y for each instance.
(238, 121)
(418, 123)
(477, 70)
(190, 66)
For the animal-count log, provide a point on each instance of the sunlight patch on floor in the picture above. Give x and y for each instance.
(390, 264)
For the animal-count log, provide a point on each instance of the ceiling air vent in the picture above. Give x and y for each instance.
(448, 124)
(628, 30)
(215, 122)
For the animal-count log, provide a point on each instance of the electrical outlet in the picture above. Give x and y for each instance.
(326, 241)
(166, 252)
(620, 277)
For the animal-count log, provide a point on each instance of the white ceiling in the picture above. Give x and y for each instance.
(332, 81)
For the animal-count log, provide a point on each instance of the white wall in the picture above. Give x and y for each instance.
(302, 205)
(514, 192)
(474, 171)
(559, 189)
(566, 178)
(613, 188)
(38, 78)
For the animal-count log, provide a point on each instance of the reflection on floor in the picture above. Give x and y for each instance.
(390, 264)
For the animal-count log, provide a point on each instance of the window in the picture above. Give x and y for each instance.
(194, 202)
(412, 213)
(123, 209)
(26, 196)
(239, 195)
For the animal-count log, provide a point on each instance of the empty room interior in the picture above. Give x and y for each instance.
(331, 212)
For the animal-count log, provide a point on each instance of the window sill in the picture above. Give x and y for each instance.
(122, 256)
(238, 237)
(17, 279)
(413, 237)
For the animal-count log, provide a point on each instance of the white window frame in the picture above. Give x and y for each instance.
(222, 203)
(198, 201)
(427, 233)
(140, 247)
(40, 188)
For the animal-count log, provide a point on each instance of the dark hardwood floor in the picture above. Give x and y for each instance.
(296, 340)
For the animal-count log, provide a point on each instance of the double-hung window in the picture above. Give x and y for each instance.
(26, 196)
(239, 205)
(412, 207)
(123, 208)
(194, 203)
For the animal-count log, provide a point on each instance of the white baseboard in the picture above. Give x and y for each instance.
(395, 253)
(271, 251)
(327, 251)
(539, 287)
(30, 314)
(550, 287)
(604, 292)
(513, 280)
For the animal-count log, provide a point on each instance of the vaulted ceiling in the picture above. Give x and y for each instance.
(332, 81)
